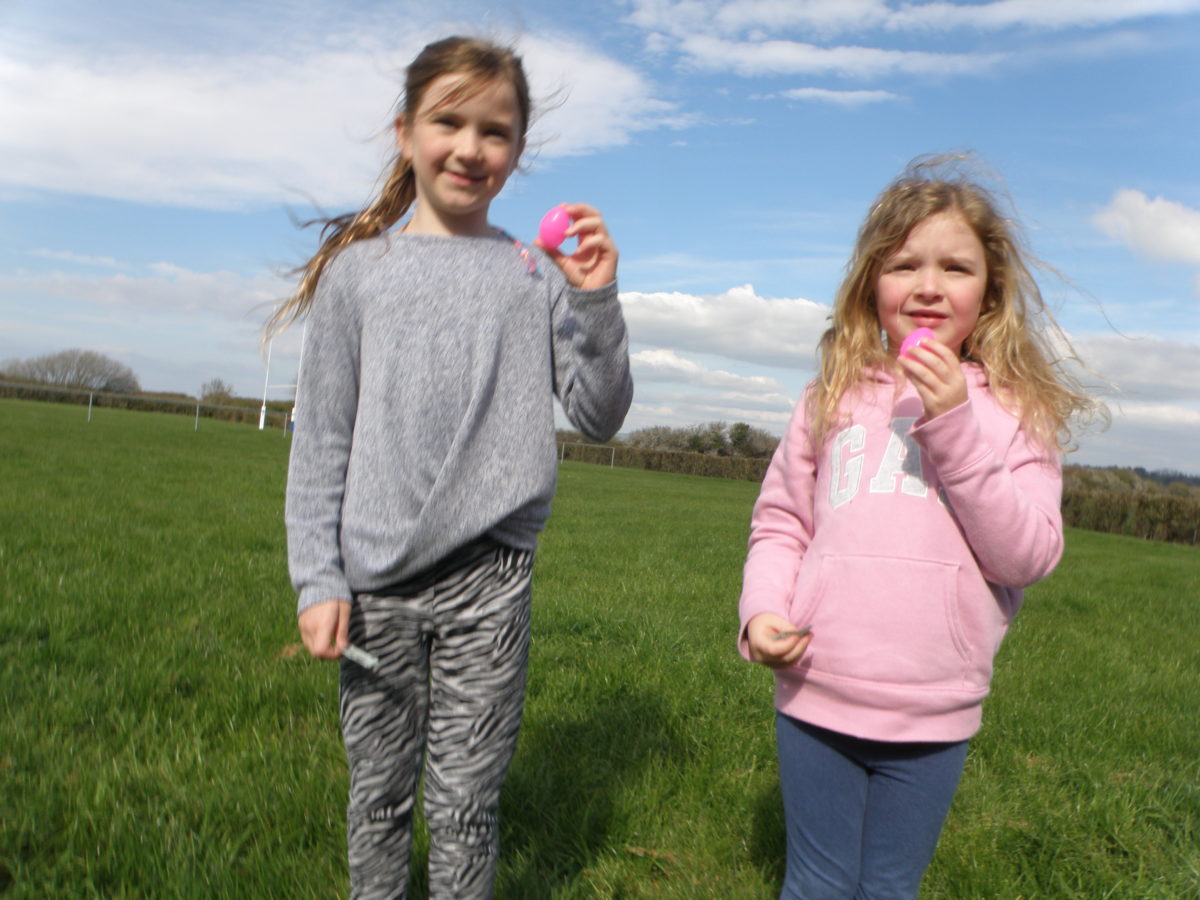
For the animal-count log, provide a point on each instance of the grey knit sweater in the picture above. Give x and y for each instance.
(424, 415)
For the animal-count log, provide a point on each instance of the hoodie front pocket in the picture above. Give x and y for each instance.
(886, 619)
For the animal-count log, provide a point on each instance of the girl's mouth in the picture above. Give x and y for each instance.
(927, 320)
(461, 179)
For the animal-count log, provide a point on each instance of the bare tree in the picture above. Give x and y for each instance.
(77, 369)
(216, 391)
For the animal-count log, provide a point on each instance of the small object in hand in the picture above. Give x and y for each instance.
(795, 632)
(553, 230)
(915, 338)
(362, 657)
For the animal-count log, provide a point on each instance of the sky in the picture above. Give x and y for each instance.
(156, 156)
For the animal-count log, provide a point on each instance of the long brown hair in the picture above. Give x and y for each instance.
(1016, 338)
(482, 62)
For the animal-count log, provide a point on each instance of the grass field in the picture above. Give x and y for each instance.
(161, 737)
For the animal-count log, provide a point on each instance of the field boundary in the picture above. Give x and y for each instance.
(1155, 515)
(277, 416)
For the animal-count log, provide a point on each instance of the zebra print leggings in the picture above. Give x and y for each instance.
(453, 646)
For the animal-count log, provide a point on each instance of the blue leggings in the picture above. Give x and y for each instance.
(863, 817)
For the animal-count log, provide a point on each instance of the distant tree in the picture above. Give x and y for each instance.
(745, 440)
(753, 442)
(658, 437)
(84, 369)
(713, 438)
(739, 438)
(709, 438)
(216, 392)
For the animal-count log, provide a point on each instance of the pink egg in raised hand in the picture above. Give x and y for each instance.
(553, 230)
(915, 338)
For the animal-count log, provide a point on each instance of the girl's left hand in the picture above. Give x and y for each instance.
(594, 262)
(936, 373)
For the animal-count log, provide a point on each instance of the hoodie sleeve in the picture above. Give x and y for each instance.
(781, 526)
(1007, 506)
(591, 360)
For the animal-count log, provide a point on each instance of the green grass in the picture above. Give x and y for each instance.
(160, 736)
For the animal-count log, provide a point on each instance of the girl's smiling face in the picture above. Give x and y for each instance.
(462, 150)
(937, 279)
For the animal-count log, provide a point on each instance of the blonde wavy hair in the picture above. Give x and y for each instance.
(482, 62)
(1016, 339)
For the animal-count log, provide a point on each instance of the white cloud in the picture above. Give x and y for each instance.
(728, 404)
(840, 98)
(1145, 369)
(594, 101)
(1059, 14)
(833, 16)
(175, 327)
(1159, 414)
(162, 289)
(783, 57)
(824, 16)
(668, 366)
(264, 127)
(210, 132)
(67, 256)
(779, 37)
(1153, 436)
(1159, 228)
(738, 325)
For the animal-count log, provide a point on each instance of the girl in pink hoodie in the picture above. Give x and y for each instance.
(913, 497)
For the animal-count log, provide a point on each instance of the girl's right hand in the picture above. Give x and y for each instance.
(325, 628)
(767, 648)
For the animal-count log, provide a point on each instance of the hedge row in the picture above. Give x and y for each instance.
(740, 468)
(245, 411)
(1154, 516)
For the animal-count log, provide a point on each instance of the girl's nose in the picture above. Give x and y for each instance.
(928, 283)
(468, 145)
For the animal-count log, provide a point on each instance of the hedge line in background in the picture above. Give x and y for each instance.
(1152, 514)
(1111, 501)
(1156, 517)
(237, 410)
(740, 468)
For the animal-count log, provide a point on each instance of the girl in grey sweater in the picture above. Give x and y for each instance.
(423, 462)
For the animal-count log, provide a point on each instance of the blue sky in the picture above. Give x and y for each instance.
(153, 156)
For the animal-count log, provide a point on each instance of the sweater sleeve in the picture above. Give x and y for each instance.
(327, 403)
(781, 526)
(591, 360)
(1008, 507)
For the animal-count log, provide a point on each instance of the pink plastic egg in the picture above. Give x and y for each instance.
(553, 230)
(915, 338)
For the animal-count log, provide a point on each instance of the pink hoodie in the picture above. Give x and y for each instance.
(905, 545)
